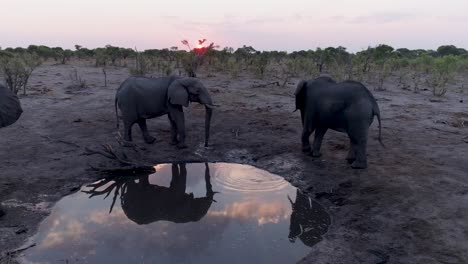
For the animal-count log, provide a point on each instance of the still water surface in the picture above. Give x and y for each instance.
(183, 213)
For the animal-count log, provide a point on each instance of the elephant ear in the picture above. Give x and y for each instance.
(300, 94)
(177, 94)
(10, 107)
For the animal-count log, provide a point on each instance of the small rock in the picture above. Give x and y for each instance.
(461, 101)
(77, 120)
(22, 230)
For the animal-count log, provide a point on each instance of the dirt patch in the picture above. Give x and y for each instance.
(409, 206)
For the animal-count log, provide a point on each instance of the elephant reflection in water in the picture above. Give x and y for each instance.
(144, 203)
(309, 220)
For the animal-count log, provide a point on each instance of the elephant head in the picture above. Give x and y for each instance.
(301, 93)
(185, 90)
(10, 107)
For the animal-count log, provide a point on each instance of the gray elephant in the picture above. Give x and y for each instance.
(346, 107)
(10, 107)
(140, 98)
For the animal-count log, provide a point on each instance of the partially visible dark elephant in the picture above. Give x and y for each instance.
(10, 112)
(144, 203)
(346, 107)
(309, 220)
(10, 107)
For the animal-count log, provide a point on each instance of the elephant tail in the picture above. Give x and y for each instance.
(377, 113)
(116, 112)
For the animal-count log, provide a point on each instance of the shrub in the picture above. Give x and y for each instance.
(17, 69)
(443, 71)
(77, 80)
(142, 65)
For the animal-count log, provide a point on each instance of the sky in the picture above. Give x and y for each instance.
(264, 24)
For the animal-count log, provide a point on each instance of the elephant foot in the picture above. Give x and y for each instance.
(306, 149)
(126, 143)
(359, 165)
(174, 142)
(181, 145)
(149, 139)
(316, 154)
(350, 160)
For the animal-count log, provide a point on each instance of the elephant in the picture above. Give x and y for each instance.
(345, 107)
(10, 112)
(141, 98)
(10, 107)
(309, 220)
(144, 203)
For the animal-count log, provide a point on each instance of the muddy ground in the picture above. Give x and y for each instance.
(409, 206)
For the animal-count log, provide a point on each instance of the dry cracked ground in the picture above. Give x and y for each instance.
(409, 206)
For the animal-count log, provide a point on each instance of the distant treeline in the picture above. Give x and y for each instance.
(434, 68)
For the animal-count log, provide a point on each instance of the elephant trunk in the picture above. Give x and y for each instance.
(209, 112)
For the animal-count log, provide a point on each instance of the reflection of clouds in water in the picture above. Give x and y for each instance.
(83, 227)
(103, 217)
(63, 229)
(263, 213)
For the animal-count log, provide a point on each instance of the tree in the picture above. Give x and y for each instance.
(449, 50)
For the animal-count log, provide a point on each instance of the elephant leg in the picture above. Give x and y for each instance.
(144, 131)
(177, 114)
(306, 132)
(128, 131)
(359, 144)
(174, 140)
(351, 157)
(318, 137)
(209, 187)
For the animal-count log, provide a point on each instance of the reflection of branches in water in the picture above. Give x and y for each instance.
(119, 183)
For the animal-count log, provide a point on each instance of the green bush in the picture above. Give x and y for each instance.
(17, 69)
(443, 71)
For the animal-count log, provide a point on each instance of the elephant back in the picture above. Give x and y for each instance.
(10, 107)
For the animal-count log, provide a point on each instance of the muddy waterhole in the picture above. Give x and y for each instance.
(182, 213)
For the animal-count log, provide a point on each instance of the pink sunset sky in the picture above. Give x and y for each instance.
(265, 25)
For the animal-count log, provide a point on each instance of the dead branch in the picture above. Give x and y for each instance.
(126, 164)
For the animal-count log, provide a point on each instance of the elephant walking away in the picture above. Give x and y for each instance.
(345, 107)
(141, 98)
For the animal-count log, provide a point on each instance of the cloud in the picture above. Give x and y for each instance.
(379, 18)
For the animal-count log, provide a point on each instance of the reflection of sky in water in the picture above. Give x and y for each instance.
(249, 221)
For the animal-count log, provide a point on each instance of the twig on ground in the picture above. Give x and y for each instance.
(61, 141)
(441, 130)
(266, 84)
